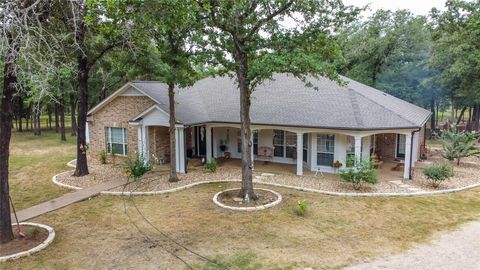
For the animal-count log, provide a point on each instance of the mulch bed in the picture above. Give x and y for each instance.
(230, 198)
(34, 237)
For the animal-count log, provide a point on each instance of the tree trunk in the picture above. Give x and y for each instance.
(62, 121)
(73, 106)
(82, 166)
(50, 117)
(245, 130)
(475, 117)
(462, 112)
(20, 114)
(57, 126)
(173, 150)
(6, 115)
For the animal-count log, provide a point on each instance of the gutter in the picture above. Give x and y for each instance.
(411, 153)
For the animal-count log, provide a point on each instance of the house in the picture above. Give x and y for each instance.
(312, 127)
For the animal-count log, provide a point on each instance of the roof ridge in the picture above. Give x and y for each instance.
(355, 107)
(381, 105)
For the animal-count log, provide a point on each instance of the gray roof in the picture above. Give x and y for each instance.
(286, 101)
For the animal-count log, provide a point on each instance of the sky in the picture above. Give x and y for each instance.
(418, 7)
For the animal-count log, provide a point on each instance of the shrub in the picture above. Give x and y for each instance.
(301, 208)
(211, 165)
(137, 167)
(363, 172)
(103, 157)
(112, 154)
(457, 145)
(438, 173)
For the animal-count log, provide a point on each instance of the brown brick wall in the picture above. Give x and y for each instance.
(116, 114)
(160, 142)
(386, 143)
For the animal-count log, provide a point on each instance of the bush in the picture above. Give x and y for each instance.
(363, 172)
(457, 145)
(137, 167)
(211, 165)
(103, 157)
(301, 208)
(438, 173)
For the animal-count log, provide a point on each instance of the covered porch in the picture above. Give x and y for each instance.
(305, 151)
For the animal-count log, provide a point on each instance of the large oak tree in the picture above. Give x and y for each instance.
(254, 39)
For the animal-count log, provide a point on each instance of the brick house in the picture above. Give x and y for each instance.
(312, 127)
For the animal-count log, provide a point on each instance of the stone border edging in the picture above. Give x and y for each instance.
(250, 208)
(70, 163)
(56, 182)
(43, 245)
(332, 193)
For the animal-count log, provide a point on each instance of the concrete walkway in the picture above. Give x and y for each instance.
(459, 249)
(65, 200)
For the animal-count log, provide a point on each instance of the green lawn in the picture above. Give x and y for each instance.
(335, 232)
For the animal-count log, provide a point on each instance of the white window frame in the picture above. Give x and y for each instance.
(325, 152)
(109, 143)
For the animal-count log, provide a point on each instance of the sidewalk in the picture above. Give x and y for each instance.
(65, 200)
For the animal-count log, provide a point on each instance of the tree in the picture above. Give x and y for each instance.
(249, 40)
(97, 27)
(18, 20)
(456, 54)
(458, 145)
(389, 51)
(176, 31)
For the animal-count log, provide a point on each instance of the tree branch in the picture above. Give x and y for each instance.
(261, 22)
(103, 52)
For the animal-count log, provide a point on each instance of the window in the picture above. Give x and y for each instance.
(350, 151)
(401, 145)
(116, 139)
(305, 147)
(255, 142)
(325, 149)
(290, 144)
(239, 141)
(278, 141)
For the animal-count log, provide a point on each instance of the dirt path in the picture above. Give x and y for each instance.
(459, 249)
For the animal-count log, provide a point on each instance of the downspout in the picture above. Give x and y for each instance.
(411, 153)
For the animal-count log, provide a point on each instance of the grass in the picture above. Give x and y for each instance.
(33, 161)
(334, 232)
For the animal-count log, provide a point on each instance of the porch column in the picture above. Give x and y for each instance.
(358, 148)
(143, 143)
(208, 138)
(408, 152)
(299, 153)
(180, 149)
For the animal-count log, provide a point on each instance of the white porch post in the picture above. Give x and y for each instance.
(299, 153)
(408, 152)
(179, 149)
(208, 135)
(143, 143)
(358, 148)
(313, 151)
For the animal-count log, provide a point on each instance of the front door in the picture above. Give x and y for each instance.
(401, 146)
(200, 141)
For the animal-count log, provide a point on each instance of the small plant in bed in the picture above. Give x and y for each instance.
(136, 167)
(362, 172)
(301, 208)
(438, 172)
(210, 165)
(103, 157)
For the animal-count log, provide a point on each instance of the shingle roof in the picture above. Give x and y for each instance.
(286, 101)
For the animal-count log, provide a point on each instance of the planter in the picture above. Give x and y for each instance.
(227, 199)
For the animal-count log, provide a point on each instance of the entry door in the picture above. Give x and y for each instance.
(401, 146)
(201, 141)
